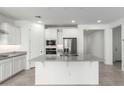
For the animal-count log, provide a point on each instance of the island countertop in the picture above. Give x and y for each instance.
(44, 58)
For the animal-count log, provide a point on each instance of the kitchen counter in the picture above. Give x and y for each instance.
(11, 54)
(85, 58)
(66, 70)
(11, 63)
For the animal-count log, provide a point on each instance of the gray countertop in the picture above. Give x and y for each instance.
(44, 58)
(11, 54)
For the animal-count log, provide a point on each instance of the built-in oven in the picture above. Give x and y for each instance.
(51, 51)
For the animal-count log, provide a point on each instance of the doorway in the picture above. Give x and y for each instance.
(117, 52)
(94, 43)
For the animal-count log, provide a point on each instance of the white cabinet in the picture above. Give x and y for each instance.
(11, 66)
(18, 64)
(50, 73)
(70, 32)
(5, 68)
(5, 27)
(83, 72)
(51, 33)
(67, 73)
(1, 76)
(12, 35)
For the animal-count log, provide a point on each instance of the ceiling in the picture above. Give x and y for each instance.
(64, 15)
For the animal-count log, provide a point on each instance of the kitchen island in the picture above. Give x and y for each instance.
(66, 70)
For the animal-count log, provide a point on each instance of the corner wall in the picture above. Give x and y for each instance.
(107, 40)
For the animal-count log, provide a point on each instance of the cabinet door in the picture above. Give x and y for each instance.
(17, 37)
(14, 35)
(83, 72)
(1, 74)
(70, 32)
(7, 68)
(51, 73)
(19, 63)
(23, 62)
(51, 34)
(16, 65)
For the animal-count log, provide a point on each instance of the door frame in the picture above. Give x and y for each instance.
(121, 44)
(104, 39)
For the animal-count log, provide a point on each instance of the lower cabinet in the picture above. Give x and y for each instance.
(18, 64)
(7, 68)
(1, 76)
(11, 66)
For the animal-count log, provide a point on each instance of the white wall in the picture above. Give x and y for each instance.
(107, 39)
(32, 39)
(94, 43)
(37, 40)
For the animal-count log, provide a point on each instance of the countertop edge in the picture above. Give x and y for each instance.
(14, 54)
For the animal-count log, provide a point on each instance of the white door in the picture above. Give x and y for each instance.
(117, 44)
(36, 41)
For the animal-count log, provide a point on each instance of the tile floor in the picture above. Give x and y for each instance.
(109, 76)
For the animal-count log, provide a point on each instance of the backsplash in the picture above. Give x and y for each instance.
(9, 48)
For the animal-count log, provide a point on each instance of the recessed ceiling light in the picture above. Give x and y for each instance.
(73, 21)
(99, 21)
(40, 22)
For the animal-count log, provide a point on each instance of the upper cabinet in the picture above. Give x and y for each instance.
(70, 32)
(51, 34)
(9, 34)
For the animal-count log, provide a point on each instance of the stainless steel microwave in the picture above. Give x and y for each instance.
(50, 42)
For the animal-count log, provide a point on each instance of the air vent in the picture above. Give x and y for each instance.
(38, 17)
